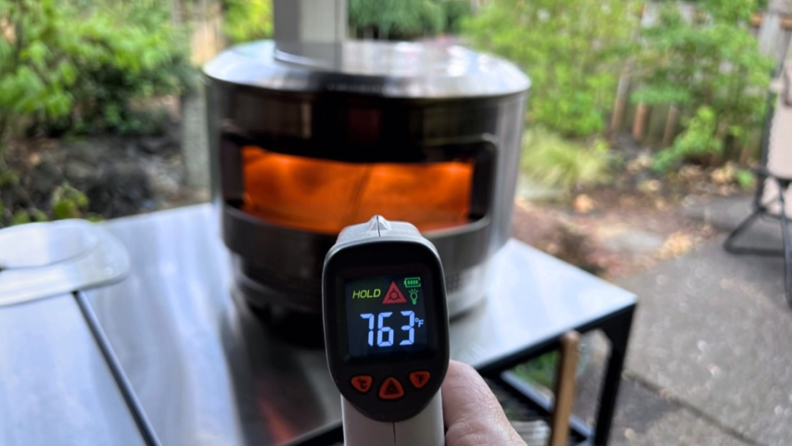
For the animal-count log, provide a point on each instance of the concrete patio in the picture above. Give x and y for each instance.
(709, 361)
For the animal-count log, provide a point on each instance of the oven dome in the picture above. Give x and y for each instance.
(390, 69)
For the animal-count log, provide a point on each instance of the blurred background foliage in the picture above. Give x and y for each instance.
(81, 67)
(75, 68)
(574, 59)
(722, 93)
(246, 20)
(556, 161)
(406, 19)
(699, 58)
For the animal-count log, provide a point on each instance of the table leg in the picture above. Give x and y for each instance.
(617, 329)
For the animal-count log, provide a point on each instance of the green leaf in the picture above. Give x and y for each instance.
(36, 53)
(8, 178)
(20, 217)
(247, 20)
(661, 94)
(745, 178)
(80, 199)
(65, 208)
(38, 215)
(68, 72)
(699, 140)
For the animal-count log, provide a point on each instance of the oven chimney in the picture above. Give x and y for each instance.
(298, 22)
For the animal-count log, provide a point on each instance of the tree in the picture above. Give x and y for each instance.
(572, 51)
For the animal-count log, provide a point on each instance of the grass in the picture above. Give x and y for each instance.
(541, 370)
(553, 161)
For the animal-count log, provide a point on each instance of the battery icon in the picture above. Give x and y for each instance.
(412, 282)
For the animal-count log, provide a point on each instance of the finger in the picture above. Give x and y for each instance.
(472, 414)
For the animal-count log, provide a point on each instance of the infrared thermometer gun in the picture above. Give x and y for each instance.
(386, 334)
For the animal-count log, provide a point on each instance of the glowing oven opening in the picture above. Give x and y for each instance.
(326, 196)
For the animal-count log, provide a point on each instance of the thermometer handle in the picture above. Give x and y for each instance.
(424, 429)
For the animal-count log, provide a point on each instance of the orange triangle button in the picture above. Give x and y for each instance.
(362, 383)
(391, 389)
(419, 379)
(394, 295)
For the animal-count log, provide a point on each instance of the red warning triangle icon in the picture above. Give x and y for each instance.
(394, 295)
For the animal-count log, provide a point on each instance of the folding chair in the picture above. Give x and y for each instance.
(774, 177)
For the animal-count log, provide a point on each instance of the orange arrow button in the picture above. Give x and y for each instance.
(361, 383)
(391, 389)
(419, 379)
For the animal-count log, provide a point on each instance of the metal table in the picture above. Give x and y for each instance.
(195, 367)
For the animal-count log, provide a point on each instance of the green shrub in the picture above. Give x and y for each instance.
(456, 13)
(573, 57)
(745, 179)
(246, 20)
(23, 216)
(66, 202)
(556, 162)
(396, 19)
(709, 65)
(65, 69)
(7, 176)
(698, 142)
(541, 371)
(20, 217)
(34, 79)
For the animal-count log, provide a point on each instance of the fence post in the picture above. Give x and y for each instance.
(207, 36)
(621, 101)
(639, 125)
(671, 124)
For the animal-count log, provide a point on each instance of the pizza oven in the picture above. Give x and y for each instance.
(307, 138)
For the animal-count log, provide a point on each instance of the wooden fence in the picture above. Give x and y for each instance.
(205, 18)
(659, 125)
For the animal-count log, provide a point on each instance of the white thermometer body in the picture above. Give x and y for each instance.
(386, 334)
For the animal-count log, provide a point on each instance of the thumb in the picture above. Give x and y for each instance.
(472, 414)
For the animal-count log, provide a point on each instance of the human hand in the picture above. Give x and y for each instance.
(472, 414)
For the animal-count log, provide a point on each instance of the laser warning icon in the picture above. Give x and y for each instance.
(394, 295)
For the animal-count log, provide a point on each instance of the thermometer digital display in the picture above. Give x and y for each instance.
(386, 314)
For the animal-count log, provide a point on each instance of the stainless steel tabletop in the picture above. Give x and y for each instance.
(40, 260)
(206, 372)
(55, 386)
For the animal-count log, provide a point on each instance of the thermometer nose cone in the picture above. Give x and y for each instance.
(379, 224)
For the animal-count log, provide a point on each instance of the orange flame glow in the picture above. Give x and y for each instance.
(326, 196)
